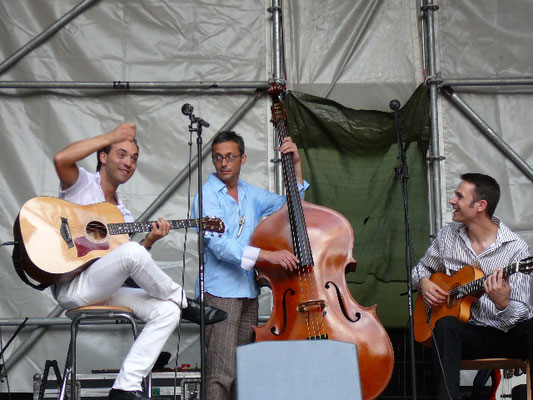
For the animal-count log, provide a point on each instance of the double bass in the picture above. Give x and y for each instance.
(314, 303)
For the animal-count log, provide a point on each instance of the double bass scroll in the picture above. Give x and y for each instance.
(314, 302)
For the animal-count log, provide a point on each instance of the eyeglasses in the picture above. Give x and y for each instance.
(218, 158)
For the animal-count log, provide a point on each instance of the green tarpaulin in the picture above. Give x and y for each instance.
(349, 158)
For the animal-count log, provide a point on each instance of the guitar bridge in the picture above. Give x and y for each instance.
(65, 232)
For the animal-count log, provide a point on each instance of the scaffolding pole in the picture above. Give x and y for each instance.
(507, 81)
(434, 159)
(132, 85)
(44, 35)
(278, 75)
(490, 133)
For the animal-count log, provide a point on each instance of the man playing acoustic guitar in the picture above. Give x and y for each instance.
(159, 301)
(500, 323)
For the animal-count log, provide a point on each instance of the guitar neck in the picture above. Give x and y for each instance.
(146, 226)
(477, 285)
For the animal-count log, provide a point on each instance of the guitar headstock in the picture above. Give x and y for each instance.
(526, 265)
(213, 224)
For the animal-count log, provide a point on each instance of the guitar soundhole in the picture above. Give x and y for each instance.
(96, 231)
(451, 301)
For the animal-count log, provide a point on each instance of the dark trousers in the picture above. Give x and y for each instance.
(456, 341)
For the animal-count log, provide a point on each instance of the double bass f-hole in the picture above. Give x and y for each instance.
(273, 330)
(341, 303)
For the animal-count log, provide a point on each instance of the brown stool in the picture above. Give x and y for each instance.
(501, 363)
(93, 313)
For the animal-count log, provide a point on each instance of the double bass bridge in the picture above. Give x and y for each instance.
(311, 306)
(314, 306)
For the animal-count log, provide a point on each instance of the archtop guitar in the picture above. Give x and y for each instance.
(465, 287)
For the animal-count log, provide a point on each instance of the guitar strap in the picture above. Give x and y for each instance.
(19, 269)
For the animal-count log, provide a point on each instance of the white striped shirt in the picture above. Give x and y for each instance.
(451, 250)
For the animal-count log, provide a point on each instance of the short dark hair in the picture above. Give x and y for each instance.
(106, 150)
(229, 136)
(486, 188)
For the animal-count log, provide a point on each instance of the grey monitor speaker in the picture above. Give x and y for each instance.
(294, 370)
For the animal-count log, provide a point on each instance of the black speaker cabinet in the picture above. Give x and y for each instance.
(298, 370)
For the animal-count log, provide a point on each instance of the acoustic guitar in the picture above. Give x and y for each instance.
(59, 239)
(464, 288)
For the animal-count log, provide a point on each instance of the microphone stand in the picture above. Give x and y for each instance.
(403, 172)
(187, 110)
(2, 362)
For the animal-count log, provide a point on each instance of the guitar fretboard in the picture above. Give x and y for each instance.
(477, 285)
(138, 227)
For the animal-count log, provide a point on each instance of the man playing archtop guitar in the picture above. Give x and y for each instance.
(500, 323)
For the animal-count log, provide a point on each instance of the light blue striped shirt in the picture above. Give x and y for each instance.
(229, 259)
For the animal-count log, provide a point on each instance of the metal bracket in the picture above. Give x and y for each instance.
(121, 85)
(433, 79)
(432, 7)
(435, 158)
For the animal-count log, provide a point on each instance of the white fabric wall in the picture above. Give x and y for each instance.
(359, 53)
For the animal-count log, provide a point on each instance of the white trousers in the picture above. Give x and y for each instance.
(157, 303)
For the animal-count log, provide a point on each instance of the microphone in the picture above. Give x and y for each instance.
(394, 105)
(187, 109)
(202, 122)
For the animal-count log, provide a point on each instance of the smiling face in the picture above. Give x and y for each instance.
(119, 165)
(228, 171)
(466, 208)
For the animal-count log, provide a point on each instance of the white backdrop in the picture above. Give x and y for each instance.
(360, 53)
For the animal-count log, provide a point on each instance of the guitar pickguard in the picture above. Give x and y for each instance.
(85, 246)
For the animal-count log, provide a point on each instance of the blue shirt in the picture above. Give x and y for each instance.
(224, 275)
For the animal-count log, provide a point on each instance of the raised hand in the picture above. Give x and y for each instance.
(123, 132)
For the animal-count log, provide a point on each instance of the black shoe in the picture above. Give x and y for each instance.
(118, 394)
(193, 314)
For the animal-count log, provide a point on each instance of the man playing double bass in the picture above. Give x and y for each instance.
(230, 281)
(501, 323)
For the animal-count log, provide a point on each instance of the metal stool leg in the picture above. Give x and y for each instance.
(73, 335)
(63, 388)
(89, 312)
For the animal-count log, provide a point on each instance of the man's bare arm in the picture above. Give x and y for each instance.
(65, 161)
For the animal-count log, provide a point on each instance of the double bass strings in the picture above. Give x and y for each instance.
(300, 238)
